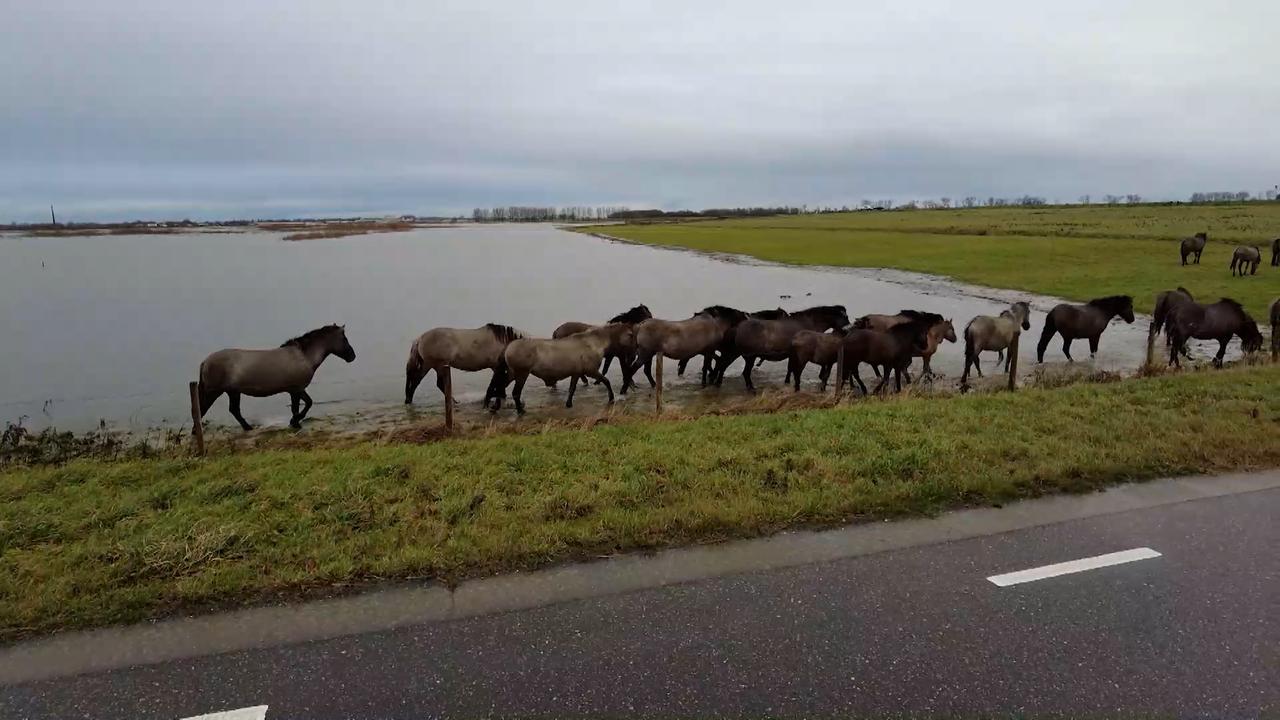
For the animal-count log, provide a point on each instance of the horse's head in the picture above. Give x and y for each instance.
(946, 330)
(1250, 336)
(1021, 311)
(340, 346)
(1126, 309)
(1202, 236)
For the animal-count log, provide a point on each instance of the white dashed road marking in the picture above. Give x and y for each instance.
(258, 712)
(1073, 566)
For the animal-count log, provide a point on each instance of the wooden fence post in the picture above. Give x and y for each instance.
(197, 423)
(657, 388)
(448, 397)
(1151, 348)
(840, 369)
(1013, 362)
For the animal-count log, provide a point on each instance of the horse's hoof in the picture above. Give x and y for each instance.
(568, 404)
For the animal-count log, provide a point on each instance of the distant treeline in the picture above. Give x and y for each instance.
(524, 213)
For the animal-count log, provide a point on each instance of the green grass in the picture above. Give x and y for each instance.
(91, 542)
(1078, 252)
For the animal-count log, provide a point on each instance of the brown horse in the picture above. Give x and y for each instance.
(633, 316)
(821, 349)
(1246, 257)
(726, 345)
(1275, 252)
(1218, 321)
(682, 340)
(259, 373)
(1194, 244)
(771, 339)
(892, 349)
(985, 333)
(1166, 301)
(1083, 321)
(469, 350)
(940, 329)
(575, 356)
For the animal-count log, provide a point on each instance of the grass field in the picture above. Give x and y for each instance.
(1078, 252)
(91, 542)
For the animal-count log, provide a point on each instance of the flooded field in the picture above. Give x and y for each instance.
(112, 328)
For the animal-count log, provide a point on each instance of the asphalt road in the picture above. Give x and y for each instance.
(1193, 632)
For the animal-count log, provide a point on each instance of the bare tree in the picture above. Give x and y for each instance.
(1084, 199)
(1111, 199)
(971, 201)
(1133, 199)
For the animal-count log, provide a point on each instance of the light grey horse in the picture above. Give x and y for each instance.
(575, 356)
(469, 350)
(260, 373)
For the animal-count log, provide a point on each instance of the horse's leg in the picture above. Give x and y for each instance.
(684, 364)
(1066, 348)
(883, 381)
(518, 391)
(573, 386)
(876, 369)
(861, 385)
(748, 363)
(233, 400)
(897, 379)
(608, 360)
(794, 368)
(601, 379)
(306, 404)
(1222, 351)
(1093, 346)
(823, 376)
(294, 403)
(977, 362)
(440, 386)
(648, 371)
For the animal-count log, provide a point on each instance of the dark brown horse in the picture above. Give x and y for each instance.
(727, 343)
(633, 316)
(892, 349)
(1219, 321)
(771, 339)
(1246, 257)
(682, 339)
(941, 329)
(821, 349)
(1275, 329)
(1083, 321)
(1165, 303)
(259, 373)
(1275, 252)
(1194, 244)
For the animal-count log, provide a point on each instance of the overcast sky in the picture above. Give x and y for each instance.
(256, 108)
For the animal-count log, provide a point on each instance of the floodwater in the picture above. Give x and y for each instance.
(112, 328)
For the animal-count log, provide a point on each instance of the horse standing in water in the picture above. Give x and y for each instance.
(771, 339)
(939, 330)
(575, 356)
(1218, 321)
(464, 349)
(809, 346)
(1083, 321)
(682, 340)
(726, 345)
(984, 333)
(892, 349)
(633, 316)
(1165, 303)
(259, 373)
(1194, 244)
(1246, 257)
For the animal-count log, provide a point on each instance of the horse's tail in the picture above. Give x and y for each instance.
(205, 395)
(1050, 327)
(968, 344)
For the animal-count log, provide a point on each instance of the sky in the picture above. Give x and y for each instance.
(262, 108)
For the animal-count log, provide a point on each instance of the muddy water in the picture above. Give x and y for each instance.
(112, 328)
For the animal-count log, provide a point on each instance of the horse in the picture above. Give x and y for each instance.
(1275, 252)
(1083, 321)
(259, 373)
(1218, 321)
(1194, 244)
(1275, 329)
(682, 339)
(1246, 256)
(810, 346)
(985, 333)
(469, 350)
(941, 329)
(727, 343)
(771, 339)
(1166, 301)
(575, 356)
(893, 349)
(633, 316)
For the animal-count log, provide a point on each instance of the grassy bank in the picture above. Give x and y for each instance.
(1073, 252)
(90, 543)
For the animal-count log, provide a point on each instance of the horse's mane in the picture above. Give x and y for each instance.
(306, 339)
(1186, 292)
(632, 316)
(770, 314)
(1234, 305)
(1112, 302)
(822, 310)
(504, 333)
(931, 318)
(912, 328)
(728, 313)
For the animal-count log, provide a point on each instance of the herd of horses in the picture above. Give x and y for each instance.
(581, 352)
(1245, 258)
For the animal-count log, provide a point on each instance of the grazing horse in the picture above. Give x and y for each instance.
(809, 346)
(575, 356)
(985, 333)
(470, 350)
(1275, 252)
(1083, 321)
(682, 339)
(941, 329)
(771, 339)
(727, 344)
(1246, 257)
(1218, 321)
(633, 316)
(892, 349)
(1166, 301)
(1194, 244)
(259, 373)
